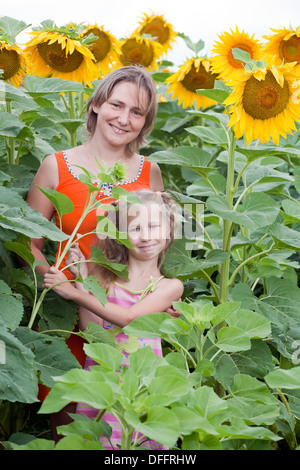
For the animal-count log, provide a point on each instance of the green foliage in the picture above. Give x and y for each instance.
(229, 378)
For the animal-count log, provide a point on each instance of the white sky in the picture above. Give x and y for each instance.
(197, 19)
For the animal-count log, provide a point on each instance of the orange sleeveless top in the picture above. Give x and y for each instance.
(71, 186)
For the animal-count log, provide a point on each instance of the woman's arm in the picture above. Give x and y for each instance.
(156, 182)
(46, 177)
(167, 291)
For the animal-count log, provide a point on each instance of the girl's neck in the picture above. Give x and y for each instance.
(143, 270)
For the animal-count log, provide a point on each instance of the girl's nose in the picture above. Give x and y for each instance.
(145, 234)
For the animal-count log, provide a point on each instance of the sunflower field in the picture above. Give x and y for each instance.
(227, 141)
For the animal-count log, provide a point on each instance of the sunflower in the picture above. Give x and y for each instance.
(284, 44)
(13, 63)
(105, 48)
(193, 75)
(157, 27)
(57, 53)
(263, 103)
(139, 50)
(224, 63)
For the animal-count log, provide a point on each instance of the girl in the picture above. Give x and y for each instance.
(151, 227)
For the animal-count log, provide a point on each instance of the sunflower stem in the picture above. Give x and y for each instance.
(72, 114)
(227, 225)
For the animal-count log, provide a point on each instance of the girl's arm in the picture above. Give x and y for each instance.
(167, 291)
(75, 256)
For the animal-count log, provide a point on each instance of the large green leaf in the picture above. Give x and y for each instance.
(210, 135)
(193, 158)
(10, 125)
(18, 379)
(232, 339)
(11, 307)
(110, 358)
(60, 201)
(285, 237)
(52, 355)
(286, 379)
(280, 305)
(39, 86)
(258, 210)
(160, 425)
(16, 215)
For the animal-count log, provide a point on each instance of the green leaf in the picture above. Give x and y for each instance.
(10, 125)
(109, 357)
(52, 355)
(92, 284)
(39, 86)
(249, 388)
(17, 216)
(18, 380)
(170, 382)
(146, 325)
(95, 333)
(97, 257)
(107, 228)
(160, 425)
(232, 339)
(190, 420)
(10, 27)
(253, 324)
(285, 236)
(211, 135)
(286, 379)
(218, 118)
(11, 307)
(21, 251)
(61, 202)
(215, 94)
(258, 210)
(194, 158)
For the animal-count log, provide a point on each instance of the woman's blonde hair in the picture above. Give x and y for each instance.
(132, 74)
(118, 253)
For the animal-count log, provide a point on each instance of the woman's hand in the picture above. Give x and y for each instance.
(75, 256)
(56, 280)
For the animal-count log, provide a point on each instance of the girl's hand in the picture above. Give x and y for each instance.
(63, 288)
(75, 256)
(174, 313)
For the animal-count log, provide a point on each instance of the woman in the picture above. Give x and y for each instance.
(120, 114)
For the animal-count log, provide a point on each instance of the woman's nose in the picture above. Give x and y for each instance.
(123, 117)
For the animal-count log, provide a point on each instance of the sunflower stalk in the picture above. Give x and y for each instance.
(72, 112)
(227, 225)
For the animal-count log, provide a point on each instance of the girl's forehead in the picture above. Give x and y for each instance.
(145, 211)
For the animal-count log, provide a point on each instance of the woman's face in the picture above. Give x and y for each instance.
(122, 117)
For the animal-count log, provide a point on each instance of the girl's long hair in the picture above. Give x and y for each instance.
(118, 253)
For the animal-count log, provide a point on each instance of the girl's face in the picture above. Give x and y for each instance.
(147, 231)
(122, 117)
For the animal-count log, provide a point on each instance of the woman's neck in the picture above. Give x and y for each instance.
(105, 153)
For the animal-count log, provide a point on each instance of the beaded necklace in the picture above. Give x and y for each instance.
(106, 188)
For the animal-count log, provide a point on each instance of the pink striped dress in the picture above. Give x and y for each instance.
(124, 297)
